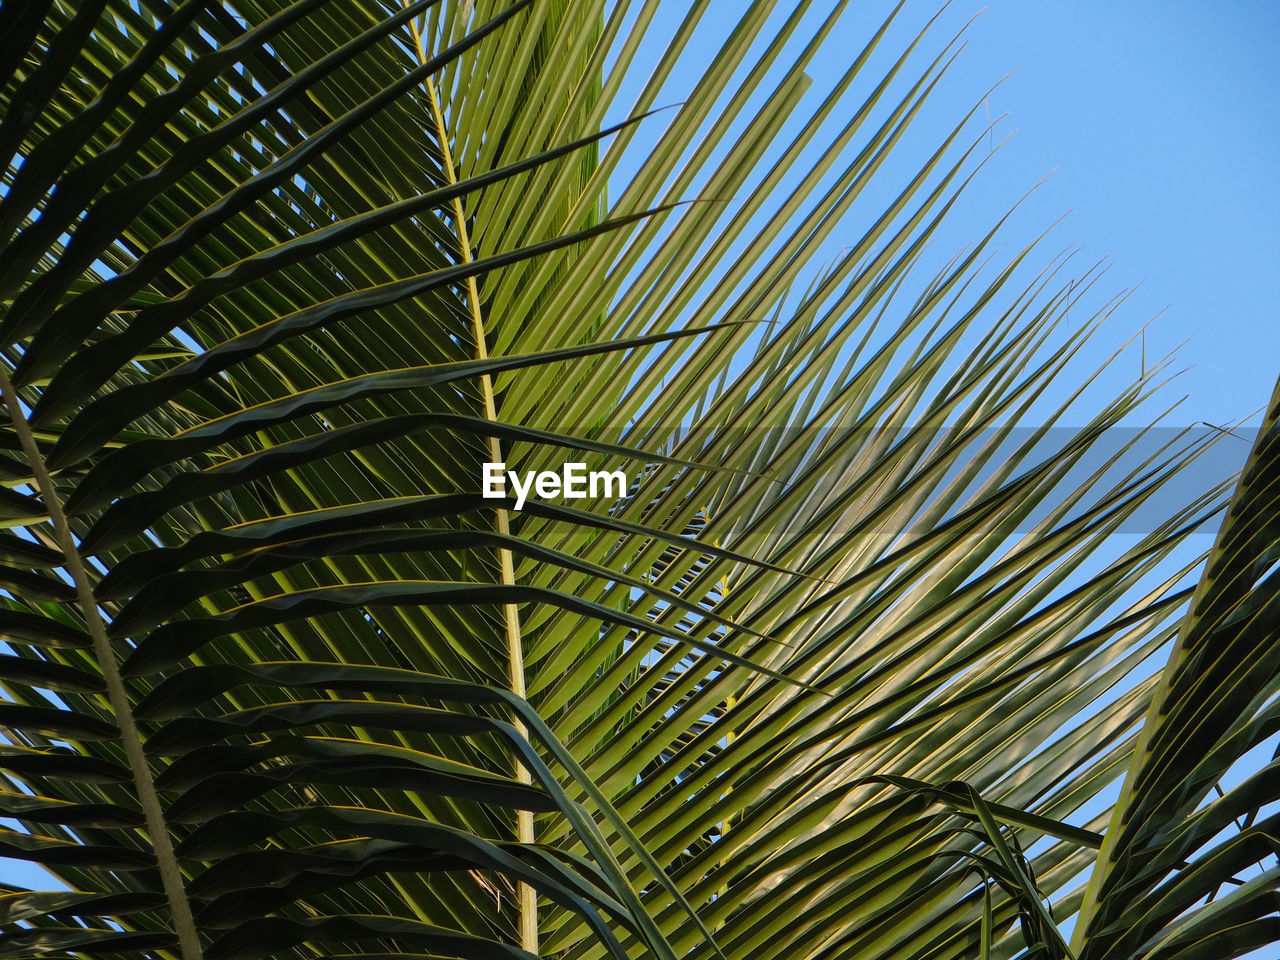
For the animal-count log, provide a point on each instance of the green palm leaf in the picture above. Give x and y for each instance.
(279, 277)
(1171, 845)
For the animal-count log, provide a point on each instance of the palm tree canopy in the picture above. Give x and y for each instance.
(845, 671)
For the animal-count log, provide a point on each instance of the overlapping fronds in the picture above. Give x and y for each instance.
(829, 679)
(1176, 839)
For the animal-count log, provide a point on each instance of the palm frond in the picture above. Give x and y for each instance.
(829, 679)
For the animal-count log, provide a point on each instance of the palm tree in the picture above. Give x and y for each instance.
(827, 679)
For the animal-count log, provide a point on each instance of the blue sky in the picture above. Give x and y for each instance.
(1160, 119)
(1150, 130)
(1158, 123)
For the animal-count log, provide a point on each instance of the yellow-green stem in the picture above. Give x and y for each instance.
(157, 829)
(527, 897)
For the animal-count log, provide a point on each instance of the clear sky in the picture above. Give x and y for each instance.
(1162, 119)
(1158, 121)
